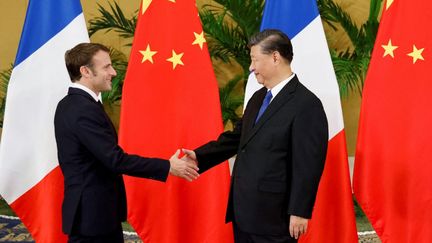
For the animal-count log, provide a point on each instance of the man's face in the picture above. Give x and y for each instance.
(262, 65)
(101, 72)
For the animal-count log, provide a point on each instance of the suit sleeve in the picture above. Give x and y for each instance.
(309, 141)
(215, 152)
(95, 133)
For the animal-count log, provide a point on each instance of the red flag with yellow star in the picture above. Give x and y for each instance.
(170, 101)
(392, 175)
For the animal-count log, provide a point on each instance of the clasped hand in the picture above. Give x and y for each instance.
(185, 167)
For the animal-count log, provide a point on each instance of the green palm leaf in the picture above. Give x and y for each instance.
(114, 20)
(351, 65)
(228, 24)
(230, 102)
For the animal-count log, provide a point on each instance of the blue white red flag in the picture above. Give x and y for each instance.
(30, 178)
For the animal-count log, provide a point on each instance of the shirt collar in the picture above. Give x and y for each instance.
(276, 89)
(89, 91)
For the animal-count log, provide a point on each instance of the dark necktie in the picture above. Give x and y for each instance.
(264, 105)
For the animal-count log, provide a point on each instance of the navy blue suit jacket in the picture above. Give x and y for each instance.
(92, 164)
(279, 160)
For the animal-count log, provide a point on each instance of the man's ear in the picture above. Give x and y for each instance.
(276, 57)
(85, 71)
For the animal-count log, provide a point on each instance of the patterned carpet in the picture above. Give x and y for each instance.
(369, 238)
(11, 230)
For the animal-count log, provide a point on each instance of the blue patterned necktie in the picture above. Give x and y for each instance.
(264, 105)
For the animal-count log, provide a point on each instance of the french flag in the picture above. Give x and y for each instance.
(333, 219)
(30, 179)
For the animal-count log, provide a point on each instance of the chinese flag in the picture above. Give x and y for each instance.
(170, 101)
(393, 166)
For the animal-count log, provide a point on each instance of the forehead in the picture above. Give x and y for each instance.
(256, 50)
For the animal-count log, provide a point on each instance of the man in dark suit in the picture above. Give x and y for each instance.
(92, 163)
(281, 146)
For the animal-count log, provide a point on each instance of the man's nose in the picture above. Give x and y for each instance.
(251, 68)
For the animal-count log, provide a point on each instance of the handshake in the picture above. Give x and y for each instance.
(185, 167)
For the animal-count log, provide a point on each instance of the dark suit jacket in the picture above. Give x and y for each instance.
(92, 164)
(279, 161)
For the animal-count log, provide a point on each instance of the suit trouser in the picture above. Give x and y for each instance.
(114, 237)
(244, 237)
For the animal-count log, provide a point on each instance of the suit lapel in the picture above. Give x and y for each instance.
(283, 97)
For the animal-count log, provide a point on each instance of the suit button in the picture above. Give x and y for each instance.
(243, 150)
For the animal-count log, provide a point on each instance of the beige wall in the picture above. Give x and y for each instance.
(12, 19)
(12, 14)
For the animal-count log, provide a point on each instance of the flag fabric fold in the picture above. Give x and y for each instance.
(333, 218)
(30, 179)
(392, 181)
(170, 101)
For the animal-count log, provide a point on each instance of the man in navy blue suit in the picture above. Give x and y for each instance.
(281, 146)
(92, 163)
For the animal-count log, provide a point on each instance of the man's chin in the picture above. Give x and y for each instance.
(108, 88)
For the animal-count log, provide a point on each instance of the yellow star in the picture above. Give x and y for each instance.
(389, 48)
(176, 59)
(388, 4)
(416, 54)
(173, 1)
(147, 54)
(199, 39)
(145, 5)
